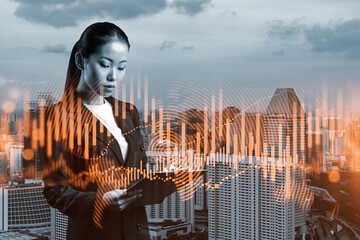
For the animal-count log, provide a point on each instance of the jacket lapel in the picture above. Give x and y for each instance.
(87, 117)
(126, 125)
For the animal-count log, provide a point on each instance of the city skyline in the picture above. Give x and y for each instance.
(228, 139)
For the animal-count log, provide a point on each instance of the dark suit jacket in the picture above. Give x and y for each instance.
(82, 161)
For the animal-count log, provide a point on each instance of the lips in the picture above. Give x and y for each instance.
(109, 86)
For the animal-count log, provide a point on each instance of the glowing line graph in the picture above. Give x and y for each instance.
(171, 143)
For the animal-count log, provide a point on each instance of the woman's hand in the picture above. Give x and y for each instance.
(120, 198)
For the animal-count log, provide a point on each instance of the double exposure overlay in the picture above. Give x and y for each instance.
(180, 119)
(234, 173)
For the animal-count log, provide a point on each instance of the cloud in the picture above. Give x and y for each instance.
(190, 7)
(167, 44)
(231, 13)
(68, 13)
(188, 48)
(278, 53)
(64, 13)
(285, 31)
(58, 48)
(340, 37)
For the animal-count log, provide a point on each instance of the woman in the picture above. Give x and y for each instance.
(91, 143)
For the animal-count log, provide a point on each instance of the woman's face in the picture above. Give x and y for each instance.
(104, 68)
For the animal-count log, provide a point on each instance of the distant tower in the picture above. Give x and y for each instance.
(33, 167)
(15, 159)
(285, 134)
(3, 165)
(352, 145)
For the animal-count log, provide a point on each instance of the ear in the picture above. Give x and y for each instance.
(79, 61)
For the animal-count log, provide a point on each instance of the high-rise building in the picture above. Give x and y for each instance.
(15, 156)
(200, 196)
(32, 165)
(249, 130)
(253, 197)
(173, 206)
(352, 145)
(315, 151)
(59, 224)
(3, 165)
(23, 207)
(285, 135)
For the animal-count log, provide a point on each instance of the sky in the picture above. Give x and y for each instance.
(191, 50)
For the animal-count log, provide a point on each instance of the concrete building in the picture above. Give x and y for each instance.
(285, 127)
(249, 130)
(201, 201)
(16, 236)
(315, 151)
(3, 165)
(173, 207)
(253, 198)
(33, 109)
(352, 145)
(160, 229)
(177, 205)
(59, 224)
(23, 207)
(15, 157)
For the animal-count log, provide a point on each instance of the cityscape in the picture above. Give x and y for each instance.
(285, 173)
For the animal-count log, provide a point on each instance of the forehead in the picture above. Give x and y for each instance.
(114, 50)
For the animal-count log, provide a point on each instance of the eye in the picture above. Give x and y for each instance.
(104, 65)
(121, 68)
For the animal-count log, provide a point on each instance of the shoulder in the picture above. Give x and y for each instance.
(129, 107)
(51, 109)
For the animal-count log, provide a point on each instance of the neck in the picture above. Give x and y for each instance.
(90, 97)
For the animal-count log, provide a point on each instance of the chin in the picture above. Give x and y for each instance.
(107, 95)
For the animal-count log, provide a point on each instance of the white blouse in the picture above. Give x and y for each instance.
(105, 114)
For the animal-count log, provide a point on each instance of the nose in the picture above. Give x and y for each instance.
(112, 75)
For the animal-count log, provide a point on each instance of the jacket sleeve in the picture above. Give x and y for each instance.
(57, 172)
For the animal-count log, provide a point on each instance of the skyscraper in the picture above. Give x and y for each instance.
(253, 197)
(59, 224)
(285, 134)
(15, 159)
(260, 191)
(32, 165)
(3, 165)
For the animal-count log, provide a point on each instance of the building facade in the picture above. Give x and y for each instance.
(285, 127)
(23, 207)
(59, 223)
(253, 198)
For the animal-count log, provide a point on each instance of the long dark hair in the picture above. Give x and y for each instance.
(93, 37)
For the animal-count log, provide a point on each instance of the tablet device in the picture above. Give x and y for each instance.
(156, 186)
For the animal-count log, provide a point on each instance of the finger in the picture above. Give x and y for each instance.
(132, 198)
(131, 193)
(118, 193)
(126, 203)
(123, 203)
(110, 195)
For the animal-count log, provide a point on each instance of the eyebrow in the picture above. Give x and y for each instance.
(109, 59)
